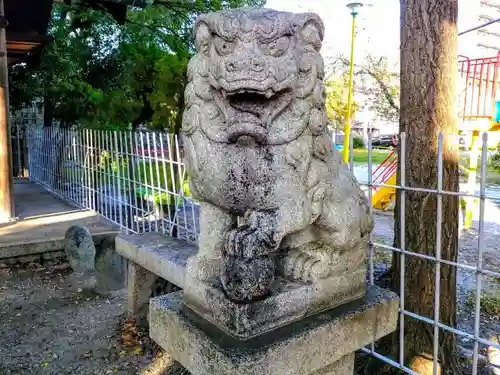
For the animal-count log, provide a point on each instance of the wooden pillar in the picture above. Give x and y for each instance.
(6, 185)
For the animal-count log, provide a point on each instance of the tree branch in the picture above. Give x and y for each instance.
(383, 87)
(156, 28)
(385, 90)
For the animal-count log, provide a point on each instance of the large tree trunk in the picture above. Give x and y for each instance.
(428, 70)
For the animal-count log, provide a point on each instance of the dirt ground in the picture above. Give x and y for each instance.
(50, 326)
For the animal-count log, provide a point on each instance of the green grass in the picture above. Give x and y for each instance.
(490, 303)
(360, 155)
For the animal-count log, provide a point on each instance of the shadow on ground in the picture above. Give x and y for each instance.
(50, 326)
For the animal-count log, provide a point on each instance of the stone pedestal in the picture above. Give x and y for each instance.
(322, 344)
(288, 300)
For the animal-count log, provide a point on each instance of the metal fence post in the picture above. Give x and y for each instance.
(120, 203)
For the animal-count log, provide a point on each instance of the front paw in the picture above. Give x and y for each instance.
(245, 242)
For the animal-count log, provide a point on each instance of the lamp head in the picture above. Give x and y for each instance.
(354, 7)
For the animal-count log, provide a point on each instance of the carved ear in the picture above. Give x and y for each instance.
(202, 37)
(311, 29)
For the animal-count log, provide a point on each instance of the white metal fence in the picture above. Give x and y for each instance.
(138, 181)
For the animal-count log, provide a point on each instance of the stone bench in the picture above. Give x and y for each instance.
(151, 256)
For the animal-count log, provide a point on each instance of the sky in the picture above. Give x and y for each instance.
(377, 31)
(378, 26)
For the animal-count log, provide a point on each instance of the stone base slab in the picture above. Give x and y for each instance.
(289, 300)
(318, 345)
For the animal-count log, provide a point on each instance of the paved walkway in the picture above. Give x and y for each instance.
(43, 221)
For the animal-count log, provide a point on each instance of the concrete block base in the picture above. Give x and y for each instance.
(139, 286)
(289, 300)
(322, 344)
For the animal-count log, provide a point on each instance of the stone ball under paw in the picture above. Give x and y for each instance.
(247, 280)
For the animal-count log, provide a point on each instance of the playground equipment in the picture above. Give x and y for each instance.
(479, 111)
(385, 174)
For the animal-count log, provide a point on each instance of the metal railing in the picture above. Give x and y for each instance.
(135, 180)
(138, 181)
(386, 169)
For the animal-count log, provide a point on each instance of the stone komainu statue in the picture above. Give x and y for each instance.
(276, 198)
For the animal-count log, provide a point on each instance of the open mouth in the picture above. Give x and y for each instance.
(257, 106)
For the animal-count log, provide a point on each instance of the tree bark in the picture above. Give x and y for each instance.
(428, 70)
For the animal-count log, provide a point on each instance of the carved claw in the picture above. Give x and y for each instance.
(299, 265)
(246, 242)
(248, 270)
(252, 240)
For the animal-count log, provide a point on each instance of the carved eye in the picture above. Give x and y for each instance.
(277, 47)
(223, 47)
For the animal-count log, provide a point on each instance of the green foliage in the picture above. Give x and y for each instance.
(97, 73)
(378, 81)
(490, 303)
(336, 100)
(495, 159)
(358, 142)
(154, 174)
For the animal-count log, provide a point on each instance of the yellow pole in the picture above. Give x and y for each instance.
(471, 183)
(347, 127)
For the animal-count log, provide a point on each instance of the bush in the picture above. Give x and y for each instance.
(358, 142)
(495, 159)
(154, 174)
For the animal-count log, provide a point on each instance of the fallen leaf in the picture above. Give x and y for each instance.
(45, 364)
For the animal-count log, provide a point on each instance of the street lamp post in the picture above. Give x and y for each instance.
(354, 7)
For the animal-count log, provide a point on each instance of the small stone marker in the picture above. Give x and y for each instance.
(102, 269)
(80, 251)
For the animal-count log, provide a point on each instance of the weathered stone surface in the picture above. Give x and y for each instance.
(28, 258)
(288, 300)
(53, 255)
(344, 366)
(80, 249)
(111, 267)
(276, 198)
(319, 345)
(139, 284)
(162, 255)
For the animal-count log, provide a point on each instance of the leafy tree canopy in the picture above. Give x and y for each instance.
(375, 79)
(98, 73)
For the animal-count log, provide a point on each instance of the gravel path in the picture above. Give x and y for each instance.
(49, 326)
